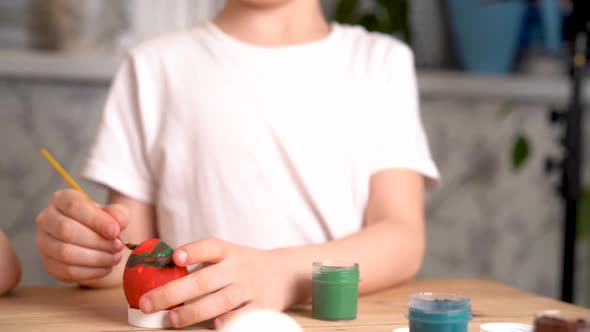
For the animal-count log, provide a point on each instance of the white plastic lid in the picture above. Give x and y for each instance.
(402, 329)
(505, 327)
(261, 321)
(156, 320)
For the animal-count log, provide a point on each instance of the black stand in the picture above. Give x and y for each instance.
(571, 177)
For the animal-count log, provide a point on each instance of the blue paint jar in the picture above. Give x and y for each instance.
(439, 312)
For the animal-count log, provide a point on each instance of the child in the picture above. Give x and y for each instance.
(257, 143)
(9, 265)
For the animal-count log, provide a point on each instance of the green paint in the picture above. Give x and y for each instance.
(335, 291)
(439, 313)
(160, 257)
(161, 249)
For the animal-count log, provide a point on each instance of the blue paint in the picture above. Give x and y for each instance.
(437, 312)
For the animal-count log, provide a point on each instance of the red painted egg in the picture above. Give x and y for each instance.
(150, 265)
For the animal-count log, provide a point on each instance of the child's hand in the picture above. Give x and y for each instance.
(234, 278)
(77, 238)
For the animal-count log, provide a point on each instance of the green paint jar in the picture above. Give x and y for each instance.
(335, 290)
(439, 312)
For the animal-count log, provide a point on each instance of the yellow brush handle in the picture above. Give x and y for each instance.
(74, 185)
(63, 172)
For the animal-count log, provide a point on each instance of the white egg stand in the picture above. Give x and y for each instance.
(156, 320)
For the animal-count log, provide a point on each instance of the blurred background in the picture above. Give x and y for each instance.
(490, 72)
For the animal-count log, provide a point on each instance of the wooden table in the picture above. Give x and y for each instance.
(71, 309)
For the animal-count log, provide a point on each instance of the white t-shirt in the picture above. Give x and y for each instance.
(265, 147)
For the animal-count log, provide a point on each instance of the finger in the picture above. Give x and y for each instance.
(76, 206)
(119, 212)
(73, 273)
(211, 250)
(71, 254)
(249, 306)
(211, 306)
(70, 231)
(205, 281)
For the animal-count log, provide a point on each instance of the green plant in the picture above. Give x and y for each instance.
(520, 151)
(387, 16)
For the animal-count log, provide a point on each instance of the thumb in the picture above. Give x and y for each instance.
(119, 212)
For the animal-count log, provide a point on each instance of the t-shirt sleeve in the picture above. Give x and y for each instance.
(118, 157)
(401, 139)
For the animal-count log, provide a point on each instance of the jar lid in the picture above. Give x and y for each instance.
(438, 302)
(505, 327)
(335, 272)
(556, 320)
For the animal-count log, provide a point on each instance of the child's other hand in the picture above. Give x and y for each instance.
(77, 238)
(234, 279)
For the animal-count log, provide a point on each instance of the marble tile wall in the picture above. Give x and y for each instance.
(486, 220)
(104, 26)
(13, 24)
(33, 115)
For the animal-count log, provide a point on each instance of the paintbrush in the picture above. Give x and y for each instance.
(74, 185)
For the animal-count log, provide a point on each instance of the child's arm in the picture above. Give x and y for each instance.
(9, 265)
(78, 241)
(389, 251)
